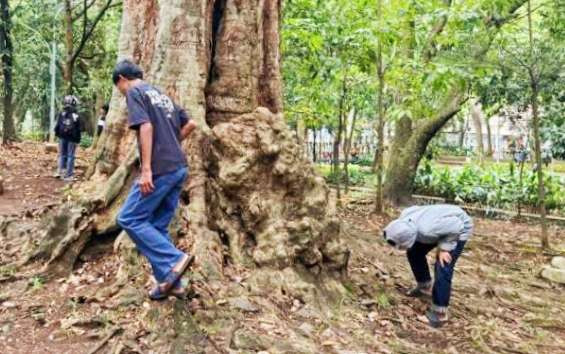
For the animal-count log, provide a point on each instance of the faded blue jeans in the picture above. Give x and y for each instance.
(146, 220)
(441, 291)
(67, 151)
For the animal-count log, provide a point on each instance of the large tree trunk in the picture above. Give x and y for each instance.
(251, 192)
(7, 52)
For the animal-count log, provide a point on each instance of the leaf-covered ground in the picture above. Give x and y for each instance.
(499, 303)
(27, 170)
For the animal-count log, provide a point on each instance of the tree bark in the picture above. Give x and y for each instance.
(69, 48)
(464, 126)
(252, 199)
(410, 145)
(349, 139)
(7, 54)
(476, 116)
(534, 85)
(380, 122)
(99, 102)
(490, 152)
(337, 139)
(314, 147)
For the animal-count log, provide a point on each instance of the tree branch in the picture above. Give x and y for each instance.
(85, 9)
(85, 17)
(88, 33)
(490, 21)
(436, 31)
(497, 22)
(430, 128)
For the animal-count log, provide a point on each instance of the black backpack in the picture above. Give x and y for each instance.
(68, 122)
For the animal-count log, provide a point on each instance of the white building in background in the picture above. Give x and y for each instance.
(505, 127)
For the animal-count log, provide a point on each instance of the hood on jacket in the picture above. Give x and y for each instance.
(401, 233)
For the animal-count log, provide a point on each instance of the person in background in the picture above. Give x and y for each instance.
(102, 119)
(418, 230)
(160, 126)
(68, 130)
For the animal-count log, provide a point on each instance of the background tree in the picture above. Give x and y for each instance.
(77, 15)
(444, 50)
(7, 54)
(37, 27)
(535, 58)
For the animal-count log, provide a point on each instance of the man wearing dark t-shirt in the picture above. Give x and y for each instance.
(161, 125)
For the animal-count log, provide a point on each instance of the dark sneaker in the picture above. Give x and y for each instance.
(436, 319)
(419, 292)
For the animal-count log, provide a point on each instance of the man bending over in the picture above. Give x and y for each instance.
(419, 229)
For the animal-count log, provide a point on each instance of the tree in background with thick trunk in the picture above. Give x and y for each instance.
(413, 135)
(7, 54)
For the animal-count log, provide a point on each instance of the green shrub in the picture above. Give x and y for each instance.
(85, 141)
(366, 161)
(497, 186)
(34, 136)
(358, 175)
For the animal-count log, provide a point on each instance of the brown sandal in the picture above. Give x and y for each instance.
(162, 290)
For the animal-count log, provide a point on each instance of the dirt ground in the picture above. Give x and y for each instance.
(499, 302)
(27, 170)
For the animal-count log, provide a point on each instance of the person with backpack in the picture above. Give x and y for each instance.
(418, 230)
(67, 129)
(160, 126)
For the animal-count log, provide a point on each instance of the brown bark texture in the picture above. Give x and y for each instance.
(252, 198)
(7, 52)
(409, 146)
(477, 116)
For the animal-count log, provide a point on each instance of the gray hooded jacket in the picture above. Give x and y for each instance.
(441, 224)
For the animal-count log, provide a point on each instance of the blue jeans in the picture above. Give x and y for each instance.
(443, 275)
(146, 220)
(67, 156)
